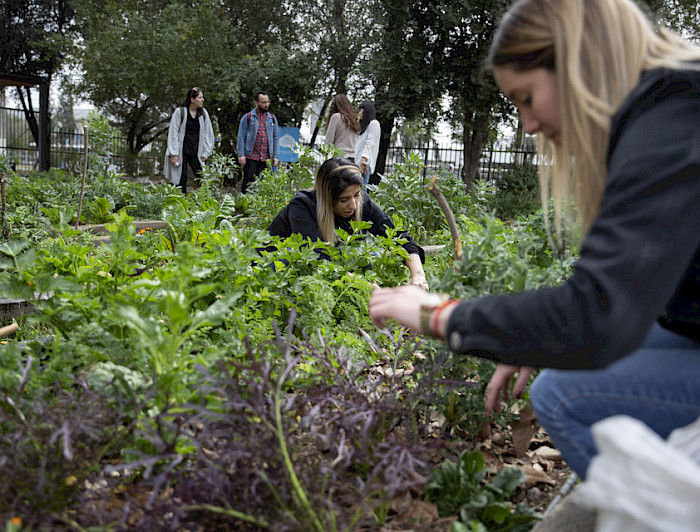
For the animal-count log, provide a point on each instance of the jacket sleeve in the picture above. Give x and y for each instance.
(275, 139)
(332, 129)
(174, 147)
(242, 132)
(380, 222)
(372, 142)
(208, 135)
(637, 251)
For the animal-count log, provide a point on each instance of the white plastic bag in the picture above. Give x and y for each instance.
(640, 482)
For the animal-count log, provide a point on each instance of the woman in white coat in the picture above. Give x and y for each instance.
(190, 139)
(367, 145)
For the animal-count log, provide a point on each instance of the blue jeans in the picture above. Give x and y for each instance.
(659, 384)
(365, 178)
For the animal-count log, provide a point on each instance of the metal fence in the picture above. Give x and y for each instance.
(66, 148)
(493, 161)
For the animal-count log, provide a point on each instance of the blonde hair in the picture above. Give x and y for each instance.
(598, 50)
(332, 178)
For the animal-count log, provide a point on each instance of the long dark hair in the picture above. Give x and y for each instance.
(333, 177)
(341, 104)
(192, 93)
(369, 115)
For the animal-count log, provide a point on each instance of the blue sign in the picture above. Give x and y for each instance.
(289, 138)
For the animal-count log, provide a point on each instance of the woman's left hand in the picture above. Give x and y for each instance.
(500, 384)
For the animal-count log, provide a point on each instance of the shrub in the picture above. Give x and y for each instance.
(404, 195)
(517, 192)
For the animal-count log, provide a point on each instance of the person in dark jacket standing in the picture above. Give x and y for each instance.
(336, 200)
(258, 140)
(616, 106)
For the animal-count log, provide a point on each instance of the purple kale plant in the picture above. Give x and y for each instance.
(268, 447)
(50, 444)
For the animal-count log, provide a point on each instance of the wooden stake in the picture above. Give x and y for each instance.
(445, 207)
(9, 329)
(82, 185)
(3, 180)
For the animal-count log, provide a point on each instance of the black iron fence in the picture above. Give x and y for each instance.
(435, 156)
(66, 148)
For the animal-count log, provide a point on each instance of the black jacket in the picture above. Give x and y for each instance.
(640, 261)
(299, 217)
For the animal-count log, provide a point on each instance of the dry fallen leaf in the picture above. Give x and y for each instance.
(388, 370)
(419, 513)
(547, 453)
(534, 477)
(523, 431)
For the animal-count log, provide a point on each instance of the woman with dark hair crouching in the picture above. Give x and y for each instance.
(337, 199)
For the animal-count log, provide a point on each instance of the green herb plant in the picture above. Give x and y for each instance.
(461, 489)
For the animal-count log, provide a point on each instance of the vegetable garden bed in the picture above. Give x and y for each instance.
(192, 383)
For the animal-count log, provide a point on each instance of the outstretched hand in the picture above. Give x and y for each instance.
(401, 304)
(500, 384)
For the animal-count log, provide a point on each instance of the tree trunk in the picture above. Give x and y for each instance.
(474, 131)
(387, 125)
(321, 116)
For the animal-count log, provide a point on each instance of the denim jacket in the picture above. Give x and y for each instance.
(248, 129)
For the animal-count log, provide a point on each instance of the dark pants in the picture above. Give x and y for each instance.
(251, 171)
(194, 163)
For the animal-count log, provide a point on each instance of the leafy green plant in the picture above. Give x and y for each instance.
(500, 258)
(100, 210)
(163, 336)
(404, 195)
(460, 488)
(517, 192)
(220, 169)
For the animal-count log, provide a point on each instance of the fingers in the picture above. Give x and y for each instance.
(499, 384)
(401, 304)
(493, 403)
(521, 382)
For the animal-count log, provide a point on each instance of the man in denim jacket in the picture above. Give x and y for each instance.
(258, 140)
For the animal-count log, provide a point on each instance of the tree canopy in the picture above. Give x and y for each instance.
(35, 38)
(138, 58)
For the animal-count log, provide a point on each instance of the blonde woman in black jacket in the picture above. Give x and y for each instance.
(616, 107)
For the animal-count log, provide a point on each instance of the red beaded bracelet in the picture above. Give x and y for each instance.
(436, 315)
